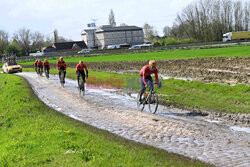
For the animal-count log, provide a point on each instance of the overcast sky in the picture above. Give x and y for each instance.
(70, 17)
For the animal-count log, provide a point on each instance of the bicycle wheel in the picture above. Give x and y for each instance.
(140, 103)
(153, 102)
(41, 72)
(83, 88)
(47, 74)
(61, 76)
(80, 87)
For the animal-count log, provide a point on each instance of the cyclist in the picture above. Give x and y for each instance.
(145, 76)
(46, 66)
(35, 65)
(80, 71)
(61, 65)
(40, 65)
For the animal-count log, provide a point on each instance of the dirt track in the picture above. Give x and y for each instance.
(211, 141)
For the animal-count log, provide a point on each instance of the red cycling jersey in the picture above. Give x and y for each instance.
(61, 64)
(145, 72)
(39, 63)
(46, 64)
(35, 64)
(80, 67)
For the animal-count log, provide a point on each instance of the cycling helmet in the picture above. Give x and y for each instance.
(80, 62)
(45, 60)
(61, 58)
(152, 63)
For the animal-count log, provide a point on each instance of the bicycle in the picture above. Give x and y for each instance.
(40, 71)
(148, 97)
(62, 77)
(46, 70)
(81, 86)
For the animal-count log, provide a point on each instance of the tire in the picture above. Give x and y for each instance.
(140, 105)
(153, 102)
(81, 87)
(46, 74)
(61, 79)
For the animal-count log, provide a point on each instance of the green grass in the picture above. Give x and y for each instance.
(32, 134)
(184, 94)
(163, 55)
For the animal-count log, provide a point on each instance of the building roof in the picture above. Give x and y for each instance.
(119, 28)
(69, 45)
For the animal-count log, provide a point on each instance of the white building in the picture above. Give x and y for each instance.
(107, 35)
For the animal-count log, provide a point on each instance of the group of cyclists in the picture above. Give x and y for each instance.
(145, 73)
(61, 68)
(40, 66)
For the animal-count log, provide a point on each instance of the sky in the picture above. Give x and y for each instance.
(70, 17)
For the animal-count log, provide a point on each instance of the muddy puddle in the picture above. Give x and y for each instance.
(171, 129)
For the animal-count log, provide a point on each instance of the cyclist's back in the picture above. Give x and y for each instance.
(145, 76)
(80, 71)
(61, 67)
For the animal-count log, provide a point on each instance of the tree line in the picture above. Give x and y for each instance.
(206, 20)
(24, 41)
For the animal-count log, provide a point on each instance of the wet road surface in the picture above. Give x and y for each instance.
(171, 129)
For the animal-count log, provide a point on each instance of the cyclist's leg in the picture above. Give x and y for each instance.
(83, 76)
(41, 68)
(150, 82)
(59, 74)
(143, 88)
(64, 76)
(78, 77)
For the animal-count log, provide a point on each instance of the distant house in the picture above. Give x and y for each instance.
(108, 35)
(69, 46)
(49, 49)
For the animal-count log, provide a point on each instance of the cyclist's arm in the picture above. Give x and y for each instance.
(144, 78)
(86, 69)
(65, 66)
(156, 76)
(77, 66)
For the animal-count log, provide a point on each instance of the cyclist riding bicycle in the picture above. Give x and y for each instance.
(46, 66)
(40, 65)
(61, 66)
(145, 76)
(35, 65)
(80, 71)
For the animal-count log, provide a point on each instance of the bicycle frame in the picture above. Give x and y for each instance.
(61, 77)
(148, 97)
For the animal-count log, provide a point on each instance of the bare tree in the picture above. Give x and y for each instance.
(112, 18)
(55, 36)
(246, 16)
(23, 38)
(167, 31)
(149, 31)
(29, 41)
(208, 20)
(4, 41)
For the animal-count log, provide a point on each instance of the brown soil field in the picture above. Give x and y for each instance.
(232, 70)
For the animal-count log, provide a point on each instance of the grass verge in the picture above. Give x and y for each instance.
(183, 94)
(161, 55)
(32, 134)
